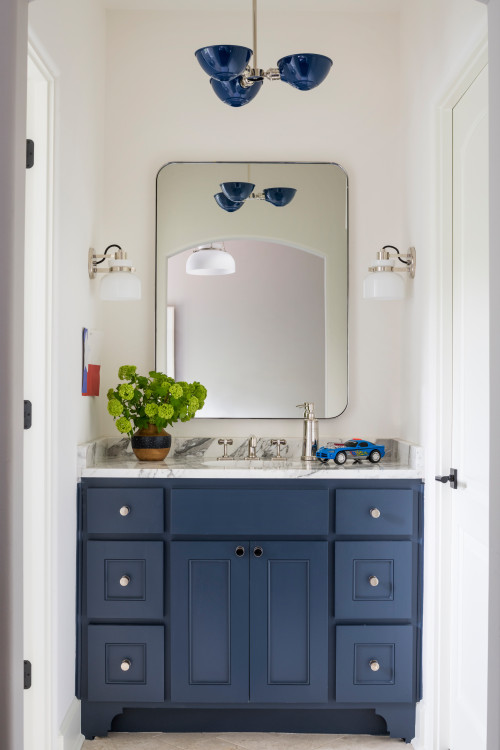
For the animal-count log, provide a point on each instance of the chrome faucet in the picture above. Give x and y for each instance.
(252, 445)
(310, 437)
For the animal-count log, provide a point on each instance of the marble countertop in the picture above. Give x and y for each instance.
(196, 458)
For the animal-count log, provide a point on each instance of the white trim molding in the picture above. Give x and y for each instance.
(70, 737)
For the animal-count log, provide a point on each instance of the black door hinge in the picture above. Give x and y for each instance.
(27, 414)
(27, 675)
(30, 153)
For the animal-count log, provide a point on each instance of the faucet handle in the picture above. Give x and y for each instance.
(225, 442)
(278, 442)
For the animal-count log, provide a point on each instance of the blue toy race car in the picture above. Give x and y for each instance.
(356, 449)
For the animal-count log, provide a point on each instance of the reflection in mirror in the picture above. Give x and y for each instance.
(280, 336)
(274, 333)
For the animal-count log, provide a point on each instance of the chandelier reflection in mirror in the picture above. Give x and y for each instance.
(234, 194)
(236, 82)
(210, 260)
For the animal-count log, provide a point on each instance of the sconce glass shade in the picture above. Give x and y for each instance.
(224, 61)
(210, 261)
(120, 286)
(237, 191)
(304, 71)
(383, 285)
(279, 196)
(228, 205)
(233, 93)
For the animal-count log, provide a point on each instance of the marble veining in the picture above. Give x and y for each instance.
(198, 457)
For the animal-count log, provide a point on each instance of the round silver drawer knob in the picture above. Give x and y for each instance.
(125, 510)
(374, 665)
(125, 580)
(374, 512)
(373, 581)
(125, 665)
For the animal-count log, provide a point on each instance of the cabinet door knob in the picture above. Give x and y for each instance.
(258, 551)
(374, 512)
(374, 665)
(373, 581)
(239, 551)
(124, 580)
(125, 665)
(125, 510)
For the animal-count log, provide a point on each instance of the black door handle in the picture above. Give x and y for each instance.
(451, 478)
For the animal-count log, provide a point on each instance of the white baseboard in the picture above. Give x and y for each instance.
(70, 737)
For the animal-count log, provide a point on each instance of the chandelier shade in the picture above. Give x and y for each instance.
(237, 191)
(279, 196)
(228, 205)
(304, 71)
(234, 93)
(224, 61)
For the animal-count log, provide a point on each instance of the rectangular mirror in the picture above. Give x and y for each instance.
(273, 334)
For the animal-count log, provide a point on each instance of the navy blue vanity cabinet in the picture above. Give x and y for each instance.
(249, 605)
(250, 622)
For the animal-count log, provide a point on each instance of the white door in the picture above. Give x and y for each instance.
(38, 439)
(470, 428)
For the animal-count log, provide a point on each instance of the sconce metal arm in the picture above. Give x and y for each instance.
(409, 260)
(118, 255)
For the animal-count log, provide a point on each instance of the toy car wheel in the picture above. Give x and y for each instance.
(374, 457)
(340, 458)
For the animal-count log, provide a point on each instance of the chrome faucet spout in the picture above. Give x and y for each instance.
(252, 448)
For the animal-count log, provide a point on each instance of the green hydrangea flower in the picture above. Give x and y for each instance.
(166, 411)
(193, 403)
(200, 392)
(126, 372)
(123, 425)
(111, 393)
(126, 391)
(151, 410)
(115, 408)
(176, 390)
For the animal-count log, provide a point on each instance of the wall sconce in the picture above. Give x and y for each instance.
(120, 283)
(382, 283)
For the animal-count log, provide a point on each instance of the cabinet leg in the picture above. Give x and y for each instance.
(97, 718)
(400, 719)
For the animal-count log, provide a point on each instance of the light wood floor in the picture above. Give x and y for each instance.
(242, 741)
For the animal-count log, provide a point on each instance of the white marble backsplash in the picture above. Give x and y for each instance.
(190, 456)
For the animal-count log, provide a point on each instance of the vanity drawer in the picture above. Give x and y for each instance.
(374, 580)
(250, 513)
(125, 511)
(376, 512)
(125, 579)
(125, 663)
(375, 663)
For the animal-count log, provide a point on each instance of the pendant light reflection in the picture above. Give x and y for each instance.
(210, 260)
(234, 194)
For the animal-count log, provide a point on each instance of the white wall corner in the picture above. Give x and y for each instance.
(70, 737)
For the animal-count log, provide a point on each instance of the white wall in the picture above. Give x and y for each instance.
(160, 108)
(438, 39)
(69, 35)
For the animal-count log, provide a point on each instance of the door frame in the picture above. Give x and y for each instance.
(39, 701)
(440, 722)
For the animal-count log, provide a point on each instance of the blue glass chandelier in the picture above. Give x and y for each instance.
(236, 82)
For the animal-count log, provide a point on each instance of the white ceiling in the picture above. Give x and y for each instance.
(354, 6)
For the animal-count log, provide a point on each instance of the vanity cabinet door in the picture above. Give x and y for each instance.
(288, 622)
(209, 622)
